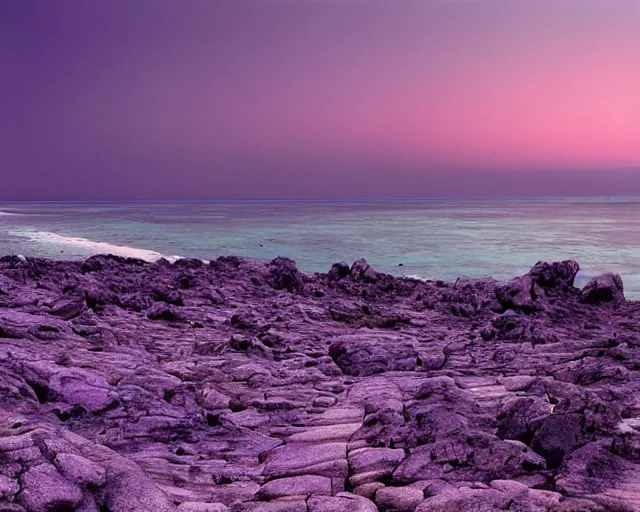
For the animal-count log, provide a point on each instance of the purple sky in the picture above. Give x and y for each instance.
(245, 99)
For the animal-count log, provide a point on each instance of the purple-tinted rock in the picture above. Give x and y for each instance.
(559, 274)
(367, 354)
(559, 435)
(520, 294)
(342, 502)
(130, 492)
(169, 296)
(163, 311)
(79, 470)
(604, 288)
(521, 418)
(339, 271)
(527, 293)
(192, 263)
(44, 489)
(285, 275)
(68, 309)
(362, 270)
(143, 386)
(399, 499)
(304, 485)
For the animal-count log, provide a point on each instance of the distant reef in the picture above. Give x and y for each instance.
(246, 385)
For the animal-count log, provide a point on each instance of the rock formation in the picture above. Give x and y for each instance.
(247, 386)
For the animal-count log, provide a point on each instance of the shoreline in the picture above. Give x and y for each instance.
(153, 257)
(246, 385)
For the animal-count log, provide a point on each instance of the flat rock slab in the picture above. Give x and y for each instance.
(328, 459)
(304, 485)
(325, 433)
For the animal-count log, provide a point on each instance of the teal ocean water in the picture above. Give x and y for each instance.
(427, 238)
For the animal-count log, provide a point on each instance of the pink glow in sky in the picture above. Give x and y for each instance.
(319, 98)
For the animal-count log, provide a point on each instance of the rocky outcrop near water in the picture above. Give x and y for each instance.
(244, 386)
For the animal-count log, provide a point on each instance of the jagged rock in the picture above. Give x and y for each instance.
(137, 386)
(226, 262)
(68, 309)
(559, 434)
(604, 288)
(346, 312)
(559, 274)
(527, 293)
(247, 318)
(521, 294)
(212, 399)
(591, 469)
(339, 271)
(470, 456)
(285, 275)
(521, 418)
(362, 270)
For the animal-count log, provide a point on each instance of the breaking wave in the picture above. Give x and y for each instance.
(97, 247)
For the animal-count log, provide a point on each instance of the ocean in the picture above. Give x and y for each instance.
(439, 239)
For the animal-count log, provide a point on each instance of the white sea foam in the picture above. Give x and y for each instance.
(416, 277)
(7, 214)
(96, 247)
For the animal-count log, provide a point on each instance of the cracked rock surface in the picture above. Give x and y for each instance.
(244, 385)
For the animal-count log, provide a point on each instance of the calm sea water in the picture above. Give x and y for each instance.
(432, 239)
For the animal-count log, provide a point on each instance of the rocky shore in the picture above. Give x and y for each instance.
(248, 386)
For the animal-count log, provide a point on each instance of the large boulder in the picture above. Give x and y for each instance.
(362, 270)
(285, 275)
(604, 288)
(527, 293)
(559, 274)
(339, 271)
(521, 418)
(559, 435)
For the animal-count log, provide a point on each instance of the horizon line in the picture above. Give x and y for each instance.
(327, 200)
